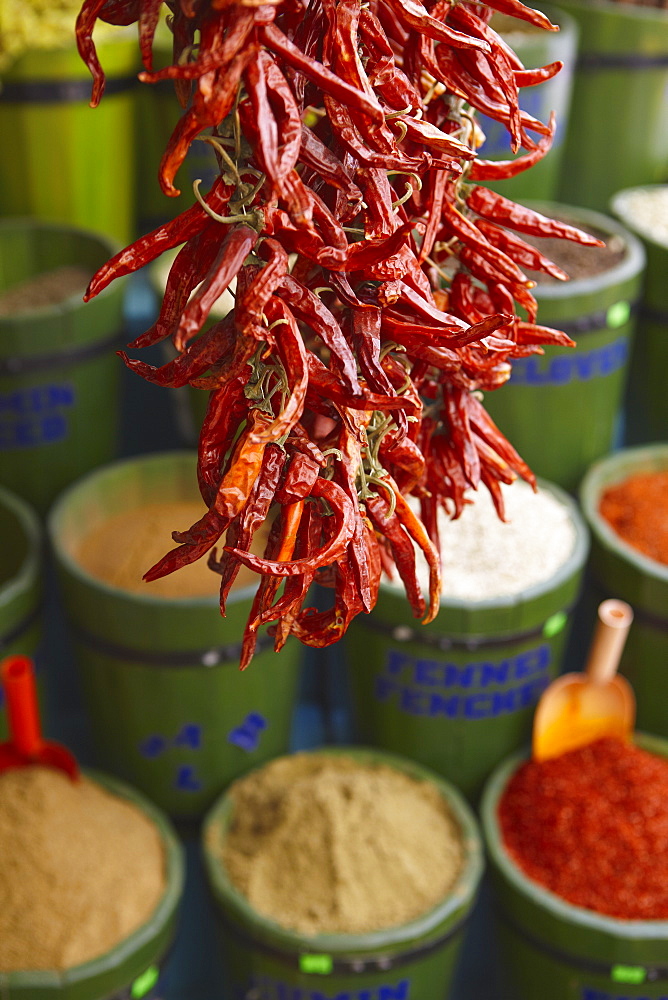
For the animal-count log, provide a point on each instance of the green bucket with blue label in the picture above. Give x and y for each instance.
(21, 582)
(458, 695)
(558, 951)
(59, 374)
(169, 710)
(132, 970)
(412, 961)
(563, 409)
(617, 569)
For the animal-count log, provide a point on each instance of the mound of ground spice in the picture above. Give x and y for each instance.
(592, 826)
(146, 534)
(49, 288)
(637, 510)
(80, 870)
(322, 843)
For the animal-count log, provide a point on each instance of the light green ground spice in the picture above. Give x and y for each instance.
(321, 843)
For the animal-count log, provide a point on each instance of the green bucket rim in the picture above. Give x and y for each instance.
(106, 243)
(58, 512)
(604, 473)
(631, 265)
(565, 572)
(47, 979)
(29, 570)
(619, 205)
(262, 928)
(557, 907)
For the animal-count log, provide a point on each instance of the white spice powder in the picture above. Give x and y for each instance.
(485, 558)
(648, 210)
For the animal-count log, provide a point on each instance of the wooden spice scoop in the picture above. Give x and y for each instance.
(577, 709)
(26, 745)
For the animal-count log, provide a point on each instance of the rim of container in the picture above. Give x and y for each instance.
(609, 471)
(632, 262)
(29, 979)
(74, 568)
(106, 244)
(619, 204)
(32, 528)
(575, 560)
(538, 894)
(464, 887)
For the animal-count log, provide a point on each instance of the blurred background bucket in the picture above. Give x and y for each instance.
(21, 582)
(557, 951)
(414, 960)
(617, 133)
(535, 47)
(59, 374)
(458, 695)
(60, 159)
(617, 569)
(132, 968)
(168, 708)
(647, 399)
(562, 410)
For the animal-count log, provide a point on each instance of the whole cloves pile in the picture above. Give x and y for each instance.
(376, 283)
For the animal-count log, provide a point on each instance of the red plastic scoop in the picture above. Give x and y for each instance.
(25, 745)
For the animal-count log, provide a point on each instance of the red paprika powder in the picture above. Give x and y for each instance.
(592, 826)
(637, 509)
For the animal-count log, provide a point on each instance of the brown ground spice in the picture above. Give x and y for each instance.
(46, 289)
(637, 509)
(322, 843)
(122, 548)
(80, 870)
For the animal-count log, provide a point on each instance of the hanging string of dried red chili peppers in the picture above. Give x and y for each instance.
(375, 283)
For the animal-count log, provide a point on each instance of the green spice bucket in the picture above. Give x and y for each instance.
(647, 402)
(132, 968)
(535, 47)
(561, 410)
(617, 132)
(21, 569)
(457, 695)
(558, 951)
(62, 160)
(414, 961)
(619, 570)
(59, 374)
(168, 707)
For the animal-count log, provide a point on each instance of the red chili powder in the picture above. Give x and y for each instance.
(637, 509)
(592, 826)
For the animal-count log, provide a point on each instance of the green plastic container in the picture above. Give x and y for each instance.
(458, 695)
(412, 962)
(168, 707)
(62, 160)
(562, 410)
(617, 133)
(647, 402)
(557, 951)
(535, 47)
(619, 570)
(59, 374)
(132, 968)
(21, 569)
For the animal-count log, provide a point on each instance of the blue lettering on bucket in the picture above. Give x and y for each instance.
(247, 735)
(588, 993)
(35, 416)
(186, 779)
(266, 988)
(480, 690)
(189, 736)
(577, 367)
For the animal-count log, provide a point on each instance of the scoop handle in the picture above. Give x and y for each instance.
(614, 622)
(18, 680)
